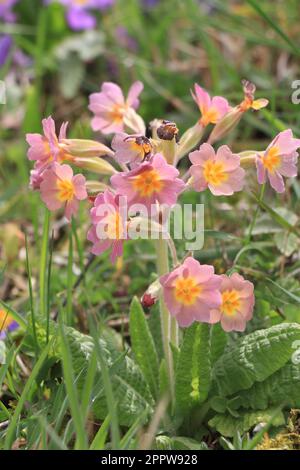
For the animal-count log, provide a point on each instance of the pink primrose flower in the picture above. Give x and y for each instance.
(219, 171)
(110, 106)
(60, 188)
(280, 159)
(212, 109)
(108, 229)
(191, 291)
(150, 182)
(237, 303)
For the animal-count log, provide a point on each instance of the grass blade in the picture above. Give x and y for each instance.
(76, 412)
(28, 386)
(43, 264)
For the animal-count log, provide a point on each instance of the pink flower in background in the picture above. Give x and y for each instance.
(36, 177)
(212, 109)
(237, 303)
(150, 182)
(6, 10)
(280, 159)
(131, 148)
(45, 149)
(220, 172)
(108, 229)
(60, 188)
(191, 291)
(110, 106)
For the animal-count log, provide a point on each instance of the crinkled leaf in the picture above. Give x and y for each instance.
(228, 426)
(193, 371)
(254, 358)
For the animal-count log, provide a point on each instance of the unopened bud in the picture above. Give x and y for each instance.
(94, 187)
(150, 297)
(95, 164)
(226, 124)
(85, 148)
(233, 117)
(189, 140)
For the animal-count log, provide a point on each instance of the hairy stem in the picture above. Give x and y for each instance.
(163, 268)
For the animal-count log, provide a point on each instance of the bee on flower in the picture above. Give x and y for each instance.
(132, 149)
(149, 183)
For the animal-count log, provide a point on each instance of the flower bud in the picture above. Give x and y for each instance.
(85, 148)
(189, 140)
(248, 158)
(95, 164)
(150, 297)
(94, 187)
(226, 124)
(233, 117)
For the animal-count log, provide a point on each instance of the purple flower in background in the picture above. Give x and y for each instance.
(79, 12)
(150, 3)
(125, 40)
(7, 323)
(7, 16)
(5, 10)
(5, 45)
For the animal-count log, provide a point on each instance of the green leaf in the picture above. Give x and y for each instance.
(11, 430)
(218, 341)
(71, 75)
(254, 358)
(276, 215)
(187, 443)
(143, 346)
(228, 426)
(99, 440)
(193, 371)
(286, 243)
(281, 388)
(131, 392)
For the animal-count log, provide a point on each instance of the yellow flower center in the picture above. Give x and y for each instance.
(230, 302)
(66, 190)
(211, 115)
(271, 160)
(214, 173)
(81, 2)
(117, 112)
(186, 290)
(5, 320)
(114, 228)
(148, 183)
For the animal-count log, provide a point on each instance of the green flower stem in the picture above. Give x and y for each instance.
(167, 337)
(43, 264)
(253, 222)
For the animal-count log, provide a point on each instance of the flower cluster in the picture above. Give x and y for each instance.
(143, 172)
(193, 292)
